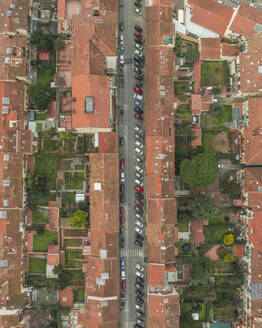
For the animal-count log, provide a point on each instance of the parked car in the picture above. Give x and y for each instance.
(138, 111)
(123, 274)
(122, 263)
(139, 182)
(139, 203)
(138, 216)
(139, 274)
(122, 165)
(139, 224)
(122, 197)
(139, 144)
(138, 12)
(122, 221)
(140, 196)
(139, 160)
(121, 26)
(139, 293)
(140, 321)
(139, 284)
(138, 103)
(139, 151)
(122, 187)
(137, 90)
(138, 41)
(138, 137)
(139, 237)
(139, 267)
(138, 4)
(121, 39)
(139, 77)
(138, 29)
(123, 285)
(137, 70)
(139, 169)
(139, 210)
(139, 189)
(139, 300)
(138, 175)
(138, 243)
(138, 46)
(139, 117)
(139, 84)
(137, 34)
(138, 230)
(121, 59)
(122, 210)
(122, 141)
(122, 176)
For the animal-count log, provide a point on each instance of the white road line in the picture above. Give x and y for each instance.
(132, 253)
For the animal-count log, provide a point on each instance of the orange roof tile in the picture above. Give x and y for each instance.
(108, 142)
(43, 55)
(198, 135)
(242, 25)
(52, 259)
(238, 250)
(66, 297)
(156, 274)
(211, 15)
(230, 50)
(52, 110)
(255, 228)
(197, 235)
(210, 48)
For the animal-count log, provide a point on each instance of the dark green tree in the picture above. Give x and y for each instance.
(58, 269)
(192, 55)
(200, 171)
(202, 207)
(216, 91)
(39, 96)
(79, 219)
(199, 275)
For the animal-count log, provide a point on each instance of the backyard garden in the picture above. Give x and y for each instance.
(213, 73)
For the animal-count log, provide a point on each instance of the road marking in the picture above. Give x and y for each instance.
(132, 253)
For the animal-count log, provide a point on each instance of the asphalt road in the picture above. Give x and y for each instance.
(126, 124)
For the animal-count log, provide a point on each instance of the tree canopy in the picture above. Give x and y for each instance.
(40, 96)
(200, 171)
(192, 55)
(199, 275)
(202, 207)
(79, 219)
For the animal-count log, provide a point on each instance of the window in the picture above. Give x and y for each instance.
(6, 202)
(6, 157)
(5, 101)
(2, 214)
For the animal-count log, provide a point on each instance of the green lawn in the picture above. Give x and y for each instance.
(52, 145)
(75, 182)
(38, 218)
(194, 293)
(73, 242)
(179, 245)
(46, 165)
(68, 199)
(213, 73)
(37, 265)
(182, 227)
(216, 232)
(206, 136)
(221, 267)
(41, 242)
(72, 257)
(79, 295)
(39, 127)
(216, 220)
(45, 74)
(40, 116)
(224, 314)
(75, 232)
(224, 116)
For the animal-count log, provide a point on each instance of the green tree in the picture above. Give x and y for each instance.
(79, 219)
(202, 207)
(216, 91)
(42, 40)
(59, 44)
(199, 275)
(39, 96)
(192, 55)
(200, 171)
(58, 269)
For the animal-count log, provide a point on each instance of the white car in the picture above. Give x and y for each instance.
(138, 12)
(139, 151)
(139, 224)
(139, 144)
(138, 216)
(137, 96)
(139, 267)
(220, 166)
(139, 160)
(139, 274)
(123, 274)
(122, 176)
(138, 169)
(138, 230)
(138, 53)
(121, 39)
(138, 130)
(138, 175)
(138, 182)
(121, 59)
(138, 46)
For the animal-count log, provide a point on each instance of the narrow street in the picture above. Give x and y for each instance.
(126, 123)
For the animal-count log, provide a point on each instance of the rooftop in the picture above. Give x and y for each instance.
(197, 235)
(210, 48)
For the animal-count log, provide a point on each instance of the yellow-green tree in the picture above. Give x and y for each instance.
(229, 239)
(79, 219)
(229, 258)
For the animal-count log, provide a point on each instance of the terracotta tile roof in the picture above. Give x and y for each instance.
(104, 195)
(18, 19)
(61, 5)
(250, 65)
(163, 311)
(238, 250)
(246, 19)
(242, 25)
(102, 279)
(156, 275)
(255, 228)
(256, 278)
(211, 15)
(197, 235)
(43, 55)
(253, 179)
(108, 142)
(66, 297)
(252, 134)
(210, 48)
(51, 110)
(52, 259)
(200, 103)
(229, 50)
(105, 241)
(197, 133)
(102, 314)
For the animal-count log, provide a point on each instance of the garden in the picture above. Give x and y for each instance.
(37, 265)
(217, 118)
(213, 73)
(79, 295)
(43, 239)
(72, 258)
(183, 90)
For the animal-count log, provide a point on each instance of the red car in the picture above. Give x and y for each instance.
(122, 165)
(122, 210)
(140, 36)
(137, 90)
(123, 285)
(122, 220)
(140, 204)
(137, 188)
(139, 117)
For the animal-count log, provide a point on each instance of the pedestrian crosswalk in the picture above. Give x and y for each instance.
(132, 253)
